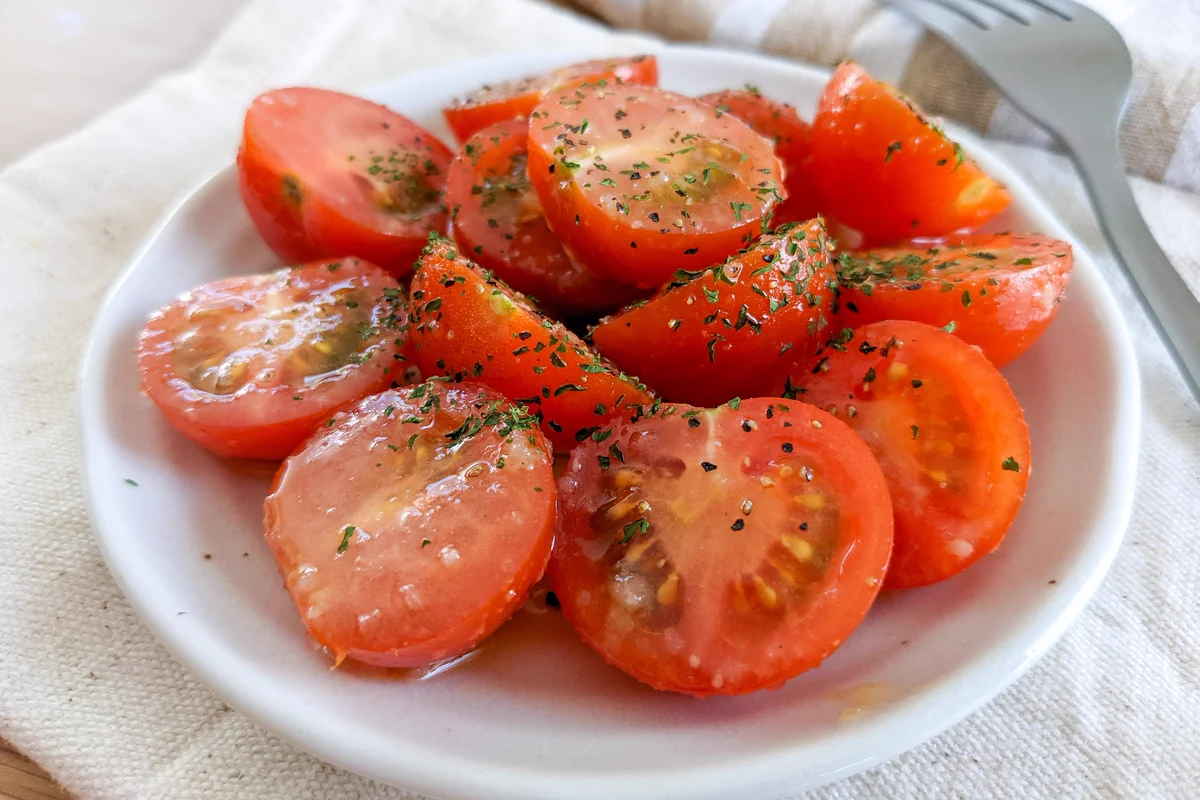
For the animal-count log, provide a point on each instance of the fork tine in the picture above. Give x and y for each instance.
(981, 12)
(952, 25)
(1017, 11)
(1005, 7)
(1063, 9)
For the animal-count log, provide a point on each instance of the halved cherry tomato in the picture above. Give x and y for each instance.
(883, 168)
(780, 123)
(639, 182)
(515, 99)
(325, 174)
(720, 551)
(468, 324)
(415, 524)
(250, 366)
(721, 332)
(947, 431)
(498, 220)
(998, 293)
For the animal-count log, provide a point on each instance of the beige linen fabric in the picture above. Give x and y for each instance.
(1161, 134)
(85, 690)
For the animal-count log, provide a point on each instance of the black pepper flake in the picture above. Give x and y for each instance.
(708, 466)
(633, 245)
(693, 423)
(523, 335)
(746, 426)
(803, 526)
(625, 133)
(787, 447)
(691, 251)
(738, 524)
(653, 216)
(770, 412)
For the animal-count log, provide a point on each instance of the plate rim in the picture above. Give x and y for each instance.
(418, 772)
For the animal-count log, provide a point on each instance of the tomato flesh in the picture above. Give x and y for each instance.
(416, 524)
(720, 551)
(516, 99)
(791, 136)
(249, 366)
(947, 431)
(998, 293)
(325, 175)
(640, 182)
(885, 170)
(468, 324)
(709, 337)
(498, 220)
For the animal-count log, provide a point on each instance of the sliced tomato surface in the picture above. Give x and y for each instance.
(325, 175)
(720, 551)
(498, 220)
(947, 431)
(640, 182)
(516, 99)
(779, 122)
(468, 324)
(249, 366)
(883, 168)
(415, 524)
(998, 293)
(720, 333)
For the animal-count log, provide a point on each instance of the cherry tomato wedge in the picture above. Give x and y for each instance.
(720, 551)
(718, 333)
(998, 293)
(516, 99)
(498, 220)
(640, 182)
(325, 174)
(416, 524)
(947, 431)
(471, 326)
(883, 168)
(249, 366)
(780, 123)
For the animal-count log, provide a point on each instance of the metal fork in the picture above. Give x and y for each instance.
(1068, 68)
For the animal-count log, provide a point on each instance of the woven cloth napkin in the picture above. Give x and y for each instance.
(1114, 710)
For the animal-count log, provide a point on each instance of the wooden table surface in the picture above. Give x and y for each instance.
(21, 779)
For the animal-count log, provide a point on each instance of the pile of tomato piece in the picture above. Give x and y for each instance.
(808, 425)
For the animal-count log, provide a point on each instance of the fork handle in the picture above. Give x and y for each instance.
(1168, 301)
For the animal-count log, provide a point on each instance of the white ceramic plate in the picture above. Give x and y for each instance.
(537, 714)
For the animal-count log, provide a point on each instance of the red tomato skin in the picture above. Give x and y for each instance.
(1009, 309)
(623, 246)
(217, 422)
(478, 328)
(839, 600)
(466, 118)
(932, 525)
(298, 220)
(792, 138)
(694, 350)
(523, 252)
(389, 647)
(882, 168)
